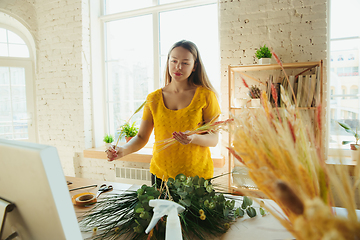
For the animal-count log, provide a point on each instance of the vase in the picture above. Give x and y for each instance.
(240, 102)
(128, 138)
(355, 152)
(255, 102)
(264, 61)
(107, 145)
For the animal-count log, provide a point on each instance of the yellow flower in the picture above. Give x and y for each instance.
(95, 229)
(201, 212)
(116, 229)
(226, 225)
(203, 217)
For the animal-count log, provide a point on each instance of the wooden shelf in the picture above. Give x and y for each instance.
(250, 73)
(240, 68)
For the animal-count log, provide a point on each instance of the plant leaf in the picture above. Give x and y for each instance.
(347, 128)
(346, 142)
(251, 212)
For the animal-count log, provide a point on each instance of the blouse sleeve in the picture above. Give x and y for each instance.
(147, 112)
(212, 108)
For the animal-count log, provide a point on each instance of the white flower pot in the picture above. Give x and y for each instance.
(355, 152)
(355, 155)
(255, 102)
(240, 102)
(264, 61)
(107, 145)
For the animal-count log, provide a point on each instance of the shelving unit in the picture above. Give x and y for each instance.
(248, 73)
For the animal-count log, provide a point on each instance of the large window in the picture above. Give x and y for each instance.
(137, 39)
(344, 79)
(16, 90)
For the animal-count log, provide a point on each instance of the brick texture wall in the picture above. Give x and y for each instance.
(63, 79)
(63, 104)
(295, 29)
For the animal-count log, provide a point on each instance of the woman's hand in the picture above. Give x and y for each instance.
(113, 154)
(183, 138)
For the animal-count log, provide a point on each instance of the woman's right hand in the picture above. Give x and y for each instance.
(113, 154)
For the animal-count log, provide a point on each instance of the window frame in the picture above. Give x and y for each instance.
(98, 20)
(332, 57)
(29, 64)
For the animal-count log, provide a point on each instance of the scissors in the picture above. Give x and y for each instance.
(103, 188)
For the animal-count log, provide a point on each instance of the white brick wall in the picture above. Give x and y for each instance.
(63, 104)
(296, 29)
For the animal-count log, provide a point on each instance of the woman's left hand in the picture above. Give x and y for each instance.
(183, 138)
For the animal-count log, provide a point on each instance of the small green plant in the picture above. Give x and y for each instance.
(351, 131)
(108, 139)
(263, 52)
(254, 92)
(129, 130)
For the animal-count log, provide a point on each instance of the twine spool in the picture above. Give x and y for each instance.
(83, 199)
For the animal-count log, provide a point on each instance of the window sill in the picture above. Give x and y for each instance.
(144, 155)
(346, 163)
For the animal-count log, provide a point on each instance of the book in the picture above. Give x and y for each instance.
(268, 88)
(313, 81)
(305, 91)
(299, 90)
(291, 85)
(317, 99)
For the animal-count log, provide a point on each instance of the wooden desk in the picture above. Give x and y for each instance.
(264, 228)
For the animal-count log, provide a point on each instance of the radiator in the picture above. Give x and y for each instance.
(133, 175)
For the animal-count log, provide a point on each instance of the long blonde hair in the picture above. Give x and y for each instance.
(199, 76)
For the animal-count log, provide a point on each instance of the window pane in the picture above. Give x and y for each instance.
(206, 39)
(14, 38)
(3, 38)
(117, 6)
(17, 50)
(129, 67)
(4, 50)
(4, 75)
(13, 110)
(344, 80)
(343, 16)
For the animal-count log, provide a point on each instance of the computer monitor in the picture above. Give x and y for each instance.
(32, 178)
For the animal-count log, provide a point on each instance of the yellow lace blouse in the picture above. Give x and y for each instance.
(188, 159)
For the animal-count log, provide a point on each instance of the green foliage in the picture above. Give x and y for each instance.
(254, 92)
(108, 138)
(348, 129)
(263, 52)
(129, 130)
(208, 213)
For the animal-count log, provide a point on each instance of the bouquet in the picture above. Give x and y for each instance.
(207, 212)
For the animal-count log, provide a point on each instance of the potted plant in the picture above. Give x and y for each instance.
(264, 55)
(129, 131)
(108, 139)
(353, 146)
(254, 93)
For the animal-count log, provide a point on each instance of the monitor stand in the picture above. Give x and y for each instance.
(5, 207)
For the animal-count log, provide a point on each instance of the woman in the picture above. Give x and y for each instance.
(187, 100)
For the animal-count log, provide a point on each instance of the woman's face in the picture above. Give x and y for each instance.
(181, 64)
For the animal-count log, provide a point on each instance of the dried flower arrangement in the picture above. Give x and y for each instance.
(209, 127)
(285, 162)
(254, 92)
